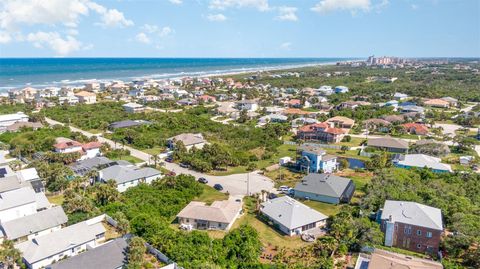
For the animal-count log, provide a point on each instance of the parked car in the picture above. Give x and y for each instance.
(218, 187)
(184, 165)
(203, 180)
(272, 196)
(169, 159)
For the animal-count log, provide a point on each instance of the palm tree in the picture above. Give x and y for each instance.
(326, 246)
(9, 254)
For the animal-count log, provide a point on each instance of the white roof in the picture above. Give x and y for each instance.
(422, 160)
(11, 117)
(132, 105)
(290, 212)
(27, 174)
(47, 245)
(17, 197)
(413, 213)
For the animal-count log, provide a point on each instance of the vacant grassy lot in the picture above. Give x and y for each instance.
(210, 195)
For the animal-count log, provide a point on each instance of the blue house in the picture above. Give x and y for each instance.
(314, 159)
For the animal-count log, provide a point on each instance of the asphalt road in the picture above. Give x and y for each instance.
(237, 184)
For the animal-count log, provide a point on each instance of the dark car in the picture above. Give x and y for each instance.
(169, 160)
(218, 187)
(272, 196)
(184, 165)
(203, 180)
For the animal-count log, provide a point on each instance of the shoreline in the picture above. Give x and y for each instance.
(171, 76)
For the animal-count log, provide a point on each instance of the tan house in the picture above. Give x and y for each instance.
(85, 97)
(220, 215)
(437, 103)
(381, 259)
(341, 122)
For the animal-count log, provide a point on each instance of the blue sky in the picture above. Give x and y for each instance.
(239, 28)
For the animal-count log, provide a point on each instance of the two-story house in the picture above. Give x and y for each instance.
(314, 159)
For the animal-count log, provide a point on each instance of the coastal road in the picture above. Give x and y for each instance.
(236, 184)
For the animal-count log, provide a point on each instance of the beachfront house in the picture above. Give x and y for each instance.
(292, 217)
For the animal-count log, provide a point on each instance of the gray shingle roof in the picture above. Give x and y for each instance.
(50, 244)
(323, 184)
(84, 166)
(122, 174)
(110, 255)
(413, 213)
(31, 224)
(16, 198)
(388, 142)
(189, 138)
(290, 212)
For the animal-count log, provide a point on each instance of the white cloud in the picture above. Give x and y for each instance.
(53, 40)
(142, 38)
(286, 46)
(114, 18)
(72, 32)
(176, 2)
(5, 37)
(326, 6)
(216, 17)
(261, 5)
(151, 33)
(15, 13)
(287, 13)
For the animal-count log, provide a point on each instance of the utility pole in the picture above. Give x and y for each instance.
(248, 183)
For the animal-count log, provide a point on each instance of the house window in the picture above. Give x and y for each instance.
(219, 225)
(419, 246)
(407, 230)
(429, 234)
(419, 232)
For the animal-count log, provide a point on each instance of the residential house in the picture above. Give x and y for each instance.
(7, 120)
(128, 175)
(412, 109)
(85, 97)
(296, 111)
(220, 215)
(325, 188)
(34, 225)
(67, 242)
(69, 100)
(341, 122)
(207, 99)
(249, 105)
(314, 159)
(379, 125)
(187, 102)
(421, 161)
(82, 167)
(325, 90)
(111, 255)
(400, 96)
(394, 118)
(297, 103)
(416, 128)
(20, 125)
(382, 259)
(389, 144)
(189, 140)
(30, 175)
(133, 108)
(452, 101)
(341, 89)
(127, 124)
(321, 132)
(87, 150)
(292, 217)
(437, 103)
(21, 202)
(412, 226)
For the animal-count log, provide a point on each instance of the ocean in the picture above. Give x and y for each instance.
(42, 72)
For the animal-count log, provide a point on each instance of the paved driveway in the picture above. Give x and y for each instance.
(235, 184)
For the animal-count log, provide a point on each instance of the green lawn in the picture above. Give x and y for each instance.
(354, 142)
(283, 176)
(128, 158)
(210, 194)
(327, 209)
(268, 235)
(56, 199)
(154, 151)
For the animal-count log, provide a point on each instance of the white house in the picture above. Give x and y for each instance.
(189, 140)
(67, 242)
(292, 217)
(133, 108)
(249, 105)
(10, 119)
(85, 97)
(128, 175)
(400, 96)
(325, 90)
(341, 89)
(220, 215)
(21, 202)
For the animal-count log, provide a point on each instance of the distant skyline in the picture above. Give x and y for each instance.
(239, 28)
